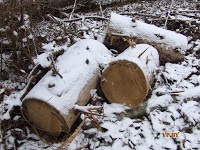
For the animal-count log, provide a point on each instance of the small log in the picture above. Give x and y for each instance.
(49, 105)
(128, 77)
(170, 45)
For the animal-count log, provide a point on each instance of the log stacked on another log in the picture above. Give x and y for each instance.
(49, 105)
(128, 77)
(170, 45)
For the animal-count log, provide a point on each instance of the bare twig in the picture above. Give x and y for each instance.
(143, 52)
(54, 70)
(189, 11)
(100, 7)
(168, 14)
(165, 79)
(27, 88)
(89, 110)
(33, 39)
(73, 136)
(173, 93)
(170, 19)
(96, 124)
(86, 17)
(70, 17)
(140, 14)
(61, 24)
(34, 70)
(131, 41)
(72, 20)
(2, 55)
(118, 34)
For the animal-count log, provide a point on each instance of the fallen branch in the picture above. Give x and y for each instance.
(170, 19)
(165, 25)
(28, 86)
(73, 136)
(33, 71)
(86, 17)
(189, 11)
(88, 110)
(188, 93)
(54, 70)
(73, 9)
(143, 52)
(172, 93)
(140, 14)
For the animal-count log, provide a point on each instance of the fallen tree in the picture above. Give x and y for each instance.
(128, 77)
(123, 32)
(49, 105)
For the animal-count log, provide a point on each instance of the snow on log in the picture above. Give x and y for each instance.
(170, 45)
(128, 77)
(49, 105)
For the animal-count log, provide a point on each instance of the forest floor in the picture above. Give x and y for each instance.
(173, 108)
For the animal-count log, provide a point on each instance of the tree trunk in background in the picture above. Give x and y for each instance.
(129, 76)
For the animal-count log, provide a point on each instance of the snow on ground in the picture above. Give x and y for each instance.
(173, 107)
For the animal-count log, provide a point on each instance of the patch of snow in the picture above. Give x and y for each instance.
(43, 60)
(191, 110)
(15, 33)
(52, 47)
(30, 36)
(114, 108)
(9, 103)
(190, 93)
(155, 101)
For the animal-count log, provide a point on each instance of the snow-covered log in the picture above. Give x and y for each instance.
(128, 77)
(170, 45)
(49, 105)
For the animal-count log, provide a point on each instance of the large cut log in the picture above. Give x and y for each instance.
(170, 45)
(49, 105)
(128, 77)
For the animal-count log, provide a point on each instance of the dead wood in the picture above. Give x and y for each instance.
(49, 105)
(117, 34)
(128, 78)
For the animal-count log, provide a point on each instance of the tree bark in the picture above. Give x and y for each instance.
(129, 76)
(122, 31)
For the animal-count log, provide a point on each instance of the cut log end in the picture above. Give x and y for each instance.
(124, 82)
(44, 117)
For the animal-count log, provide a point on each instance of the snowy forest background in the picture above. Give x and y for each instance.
(31, 28)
